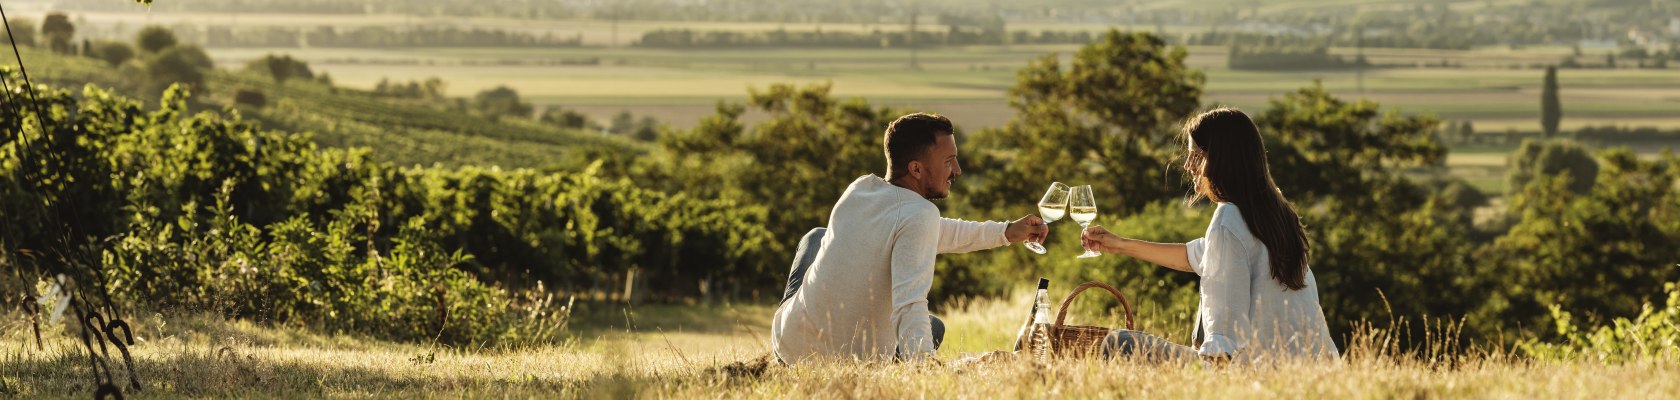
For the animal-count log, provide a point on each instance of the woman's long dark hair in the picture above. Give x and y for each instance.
(1227, 163)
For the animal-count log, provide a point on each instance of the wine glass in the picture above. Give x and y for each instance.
(1051, 208)
(1082, 208)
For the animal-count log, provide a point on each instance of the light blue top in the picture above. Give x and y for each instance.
(1245, 313)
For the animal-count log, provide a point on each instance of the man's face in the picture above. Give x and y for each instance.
(940, 167)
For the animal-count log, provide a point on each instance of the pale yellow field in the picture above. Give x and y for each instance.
(670, 351)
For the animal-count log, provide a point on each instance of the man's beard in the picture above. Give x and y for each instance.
(940, 195)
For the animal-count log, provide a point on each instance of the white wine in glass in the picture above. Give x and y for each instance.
(1051, 208)
(1082, 208)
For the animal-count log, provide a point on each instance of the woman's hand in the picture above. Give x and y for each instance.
(1100, 239)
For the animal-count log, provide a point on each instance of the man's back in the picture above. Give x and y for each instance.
(876, 260)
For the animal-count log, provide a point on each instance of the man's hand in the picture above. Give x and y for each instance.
(1027, 228)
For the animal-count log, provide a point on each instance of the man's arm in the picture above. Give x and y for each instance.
(959, 236)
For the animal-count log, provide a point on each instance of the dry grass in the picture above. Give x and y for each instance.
(668, 351)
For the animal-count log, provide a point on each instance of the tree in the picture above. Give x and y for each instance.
(647, 129)
(502, 101)
(59, 33)
(1108, 119)
(153, 39)
(250, 97)
(622, 123)
(281, 68)
(1595, 254)
(564, 118)
(185, 65)
(1537, 160)
(1551, 109)
(797, 160)
(114, 53)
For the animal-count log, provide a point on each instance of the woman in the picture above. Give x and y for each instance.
(1259, 300)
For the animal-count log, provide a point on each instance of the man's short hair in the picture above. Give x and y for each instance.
(911, 136)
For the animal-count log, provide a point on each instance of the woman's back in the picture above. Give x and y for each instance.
(1243, 310)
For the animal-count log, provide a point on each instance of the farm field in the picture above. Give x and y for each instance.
(1495, 87)
(677, 86)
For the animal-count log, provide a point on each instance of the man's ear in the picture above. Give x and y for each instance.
(915, 169)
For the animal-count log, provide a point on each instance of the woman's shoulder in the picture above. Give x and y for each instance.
(1228, 218)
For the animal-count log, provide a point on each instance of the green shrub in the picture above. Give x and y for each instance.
(206, 211)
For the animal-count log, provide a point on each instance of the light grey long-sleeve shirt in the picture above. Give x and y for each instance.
(1245, 313)
(865, 295)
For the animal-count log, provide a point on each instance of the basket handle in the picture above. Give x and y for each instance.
(1062, 316)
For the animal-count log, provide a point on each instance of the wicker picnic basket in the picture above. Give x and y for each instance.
(1083, 341)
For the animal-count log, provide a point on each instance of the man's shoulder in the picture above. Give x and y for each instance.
(919, 211)
(875, 194)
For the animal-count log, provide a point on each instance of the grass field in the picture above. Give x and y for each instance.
(671, 351)
(970, 84)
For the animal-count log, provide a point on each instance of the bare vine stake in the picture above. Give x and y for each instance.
(34, 309)
(111, 332)
(90, 331)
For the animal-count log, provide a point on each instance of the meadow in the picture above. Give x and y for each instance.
(618, 351)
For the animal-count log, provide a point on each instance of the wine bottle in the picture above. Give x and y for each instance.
(1040, 338)
(1023, 336)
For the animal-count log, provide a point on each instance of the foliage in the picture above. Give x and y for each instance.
(326, 36)
(957, 34)
(112, 52)
(185, 65)
(209, 212)
(250, 97)
(1534, 160)
(431, 88)
(564, 118)
(1262, 58)
(1324, 148)
(1107, 120)
(501, 101)
(1652, 335)
(798, 160)
(153, 39)
(1551, 109)
(59, 32)
(1597, 254)
(282, 67)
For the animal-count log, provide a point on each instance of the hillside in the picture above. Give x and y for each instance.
(405, 131)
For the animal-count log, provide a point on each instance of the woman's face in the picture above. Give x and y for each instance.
(1195, 164)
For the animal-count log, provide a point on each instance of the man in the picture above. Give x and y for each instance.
(859, 287)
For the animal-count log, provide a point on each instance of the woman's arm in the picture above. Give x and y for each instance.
(1170, 255)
